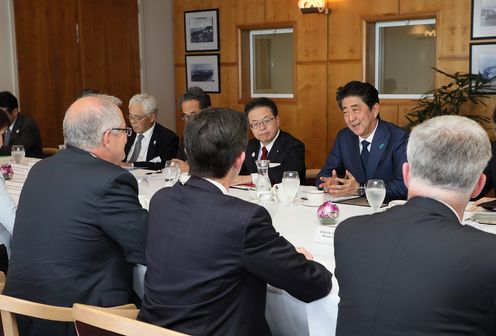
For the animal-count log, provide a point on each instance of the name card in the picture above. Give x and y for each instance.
(324, 234)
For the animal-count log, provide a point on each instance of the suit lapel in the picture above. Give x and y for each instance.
(17, 128)
(377, 148)
(252, 154)
(129, 143)
(151, 153)
(353, 150)
(276, 147)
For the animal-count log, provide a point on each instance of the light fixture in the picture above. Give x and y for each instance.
(313, 6)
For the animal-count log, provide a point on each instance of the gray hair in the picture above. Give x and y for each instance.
(147, 100)
(449, 153)
(84, 129)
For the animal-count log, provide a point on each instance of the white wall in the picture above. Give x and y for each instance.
(8, 70)
(157, 47)
(157, 44)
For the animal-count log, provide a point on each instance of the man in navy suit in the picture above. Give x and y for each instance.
(22, 130)
(211, 255)
(415, 269)
(285, 152)
(369, 148)
(151, 144)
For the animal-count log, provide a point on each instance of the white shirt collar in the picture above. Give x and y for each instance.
(217, 184)
(370, 137)
(269, 145)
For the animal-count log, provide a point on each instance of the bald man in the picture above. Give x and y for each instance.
(79, 227)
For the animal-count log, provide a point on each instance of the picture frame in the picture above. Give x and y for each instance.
(201, 30)
(203, 71)
(483, 19)
(483, 62)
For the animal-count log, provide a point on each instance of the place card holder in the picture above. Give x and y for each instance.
(324, 234)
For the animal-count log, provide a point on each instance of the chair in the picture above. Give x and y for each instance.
(94, 321)
(310, 176)
(10, 306)
(49, 151)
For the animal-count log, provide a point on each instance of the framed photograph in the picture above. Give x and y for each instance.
(483, 62)
(483, 19)
(203, 71)
(201, 30)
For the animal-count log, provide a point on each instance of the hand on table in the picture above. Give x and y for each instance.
(307, 254)
(336, 186)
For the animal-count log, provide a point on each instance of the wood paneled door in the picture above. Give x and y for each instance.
(64, 46)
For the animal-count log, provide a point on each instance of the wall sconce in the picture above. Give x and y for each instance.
(313, 6)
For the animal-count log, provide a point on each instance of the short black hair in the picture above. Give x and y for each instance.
(213, 139)
(4, 119)
(8, 101)
(195, 93)
(261, 102)
(367, 92)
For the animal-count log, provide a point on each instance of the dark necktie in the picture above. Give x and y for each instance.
(137, 149)
(364, 155)
(6, 137)
(264, 153)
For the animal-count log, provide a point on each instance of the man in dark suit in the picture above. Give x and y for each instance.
(415, 269)
(369, 148)
(211, 255)
(151, 144)
(79, 227)
(22, 131)
(285, 152)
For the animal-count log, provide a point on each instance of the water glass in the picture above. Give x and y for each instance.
(18, 153)
(290, 184)
(375, 192)
(171, 173)
(143, 185)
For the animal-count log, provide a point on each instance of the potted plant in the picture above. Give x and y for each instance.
(449, 98)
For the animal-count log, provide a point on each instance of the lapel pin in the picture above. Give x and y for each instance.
(253, 154)
(17, 131)
(381, 146)
(154, 142)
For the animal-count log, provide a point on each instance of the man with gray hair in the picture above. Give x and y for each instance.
(151, 144)
(415, 269)
(79, 226)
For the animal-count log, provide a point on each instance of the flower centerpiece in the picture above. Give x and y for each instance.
(328, 213)
(7, 171)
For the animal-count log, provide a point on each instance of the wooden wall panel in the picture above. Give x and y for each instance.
(345, 31)
(282, 10)
(389, 112)
(311, 120)
(454, 29)
(421, 6)
(310, 41)
(383, 7)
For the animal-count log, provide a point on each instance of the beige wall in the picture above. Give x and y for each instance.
(8, 72)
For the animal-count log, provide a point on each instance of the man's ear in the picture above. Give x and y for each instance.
(106, 139)
(238, 162)
(406, 173)
(478, 186)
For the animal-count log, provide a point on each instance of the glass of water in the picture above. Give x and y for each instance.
(290, 184)
(18, 153)
(171, 173)
(375, 192)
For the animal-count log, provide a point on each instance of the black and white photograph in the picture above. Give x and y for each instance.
(483, 61)
(203, 71)
(201, 30)
(483, 19)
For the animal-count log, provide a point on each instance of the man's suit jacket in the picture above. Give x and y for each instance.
(287, 150)
(415, 270)
(79, 229)
(210, 257)
(386, 158)
(25, 132)
(163, 144)
(490, 172)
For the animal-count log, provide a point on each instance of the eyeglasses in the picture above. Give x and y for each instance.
(266, 122)
(185, 117)
(137, 118)
(128, 130)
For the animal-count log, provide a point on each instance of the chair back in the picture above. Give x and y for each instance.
(95, 321)
(10, 306)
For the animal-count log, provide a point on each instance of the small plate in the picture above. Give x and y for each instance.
(305, 203)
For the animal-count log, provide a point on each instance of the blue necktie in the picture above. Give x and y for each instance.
(364, 155)
(6, 137)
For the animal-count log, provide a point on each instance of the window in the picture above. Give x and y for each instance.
(402, 56)
(267, 63)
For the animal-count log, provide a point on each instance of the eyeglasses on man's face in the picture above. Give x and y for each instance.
(133, 117)
(265, 121)
(128, 130)
(185, 117)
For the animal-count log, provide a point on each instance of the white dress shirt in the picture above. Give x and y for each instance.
(145, 142)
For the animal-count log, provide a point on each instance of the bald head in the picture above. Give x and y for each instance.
(88, 119)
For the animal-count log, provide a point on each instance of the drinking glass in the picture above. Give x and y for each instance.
(375, 192)
(143, 185)
(171, 173)
(18, 153)
(290, 184)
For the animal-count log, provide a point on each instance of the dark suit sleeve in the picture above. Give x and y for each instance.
(489, 171)
(334, 161)
(123, 218)
(294, 161)
(395, 187)
(271, 257)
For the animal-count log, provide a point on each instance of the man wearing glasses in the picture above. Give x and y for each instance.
(285, 152)
(79, 227)
(151, 144)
